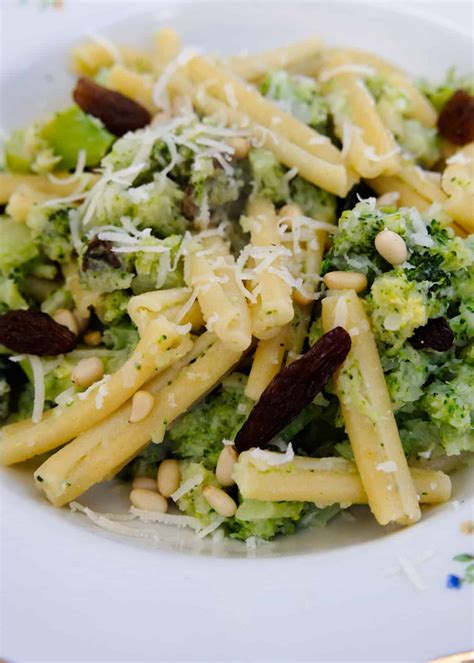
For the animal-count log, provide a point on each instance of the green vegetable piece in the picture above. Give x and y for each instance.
(18, 153)
(16, 245)
(71, 131)
(464, 557)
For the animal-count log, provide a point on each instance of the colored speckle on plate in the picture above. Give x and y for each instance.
(453, 582)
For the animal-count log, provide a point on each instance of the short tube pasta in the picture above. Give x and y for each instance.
(11, 182)
(267, 362)
(132, 84)
(167, 45)
(210, 270)
(160, 346)
(89, 57)
(323, 481)
(273, 307)
(368, 416)
(102, 450)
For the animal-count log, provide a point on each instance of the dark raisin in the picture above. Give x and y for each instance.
(456, 120)
(118, 112)
(358, 191)
(293, 389)
(435, 335)
(35, 333)
(100, 251)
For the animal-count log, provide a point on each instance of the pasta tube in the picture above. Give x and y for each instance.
(267, 362)
(22, 200)
(89, 57)
(368, 416)
(11, 182)
(458, 183)
(231, 90)
(273, 307)
(161, 345)
(324, 481)
(101, 451)
(254, 67)
(210, 270)
(335, 178)
(132, 84)
(143, 309)
(167, 45)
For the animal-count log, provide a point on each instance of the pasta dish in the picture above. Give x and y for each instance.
(242, 285)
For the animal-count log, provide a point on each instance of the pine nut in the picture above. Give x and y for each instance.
(391, 247)
(168, 477)
(92, 337)
(81, 320)
(87, 371)
(148, 500)
(142, 405)
(225, 466)
(64, 317)
(144, 482)
(345, 281)
(241, 147)
(217, 499)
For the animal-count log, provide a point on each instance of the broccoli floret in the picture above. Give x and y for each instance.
(198, 435)
(26, 151)
(10, 295)
(55, 237)
(123, 336)
(298, 95)
(313, 201)
(5, 391)
(407, 376)
(422, 143)
(145, 464)
(397, 308)
(17, 246)
(267, 176)
(154, 269)
(71, 131)
(59, 298)
(114, 307)
(440, 94)
(193, 503)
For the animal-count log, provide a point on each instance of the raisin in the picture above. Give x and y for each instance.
(118, 112)
(100, 251)
(358, 191)
(435, 335)
(293, 389)
(35, 333)
(456, 120)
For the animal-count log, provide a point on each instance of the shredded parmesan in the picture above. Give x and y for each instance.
(80, 165)
(271, 458)
(187, 487)
(160, 94)
(215, 524)
(38, 384)
(458, 158)
(102, 392)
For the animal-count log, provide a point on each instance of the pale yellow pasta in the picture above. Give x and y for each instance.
(407, 196)
(11, 182)
(210, 271)
(370, 147)
(161, 345)
(88, 58)
(254, 67)
(368, 415)
(331, 177)
(273, 307)
(267, 362)
(144, 308)
(102, 450)
(22, 200)
(132, 84)
(419, 108)
(458, 184)
(228, 88)
(324, 481)
(167, 46)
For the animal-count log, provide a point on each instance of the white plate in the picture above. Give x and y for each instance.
(74, 593)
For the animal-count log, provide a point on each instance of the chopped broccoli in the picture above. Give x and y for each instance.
(55, 237)
(114, 307)
(193, 503)
(10, 295)
(154, 269)
(59, 298)
(267, 176)
(313, 201)
(407, 376)
(299, 96)
(198, 435)
(16, 245)
(122, 336)
(5, 392)
(440, 94)
(26, 151)
(145, 464)
(71, 131)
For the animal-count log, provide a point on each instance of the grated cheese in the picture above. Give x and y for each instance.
(271, 458)
(230, 95)
(78, 171)
(370, 154)
(39, 388)
(458, 158)
(187, 487)
(65, 397)
(102, 392)
(160, 94)
(215, 524)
